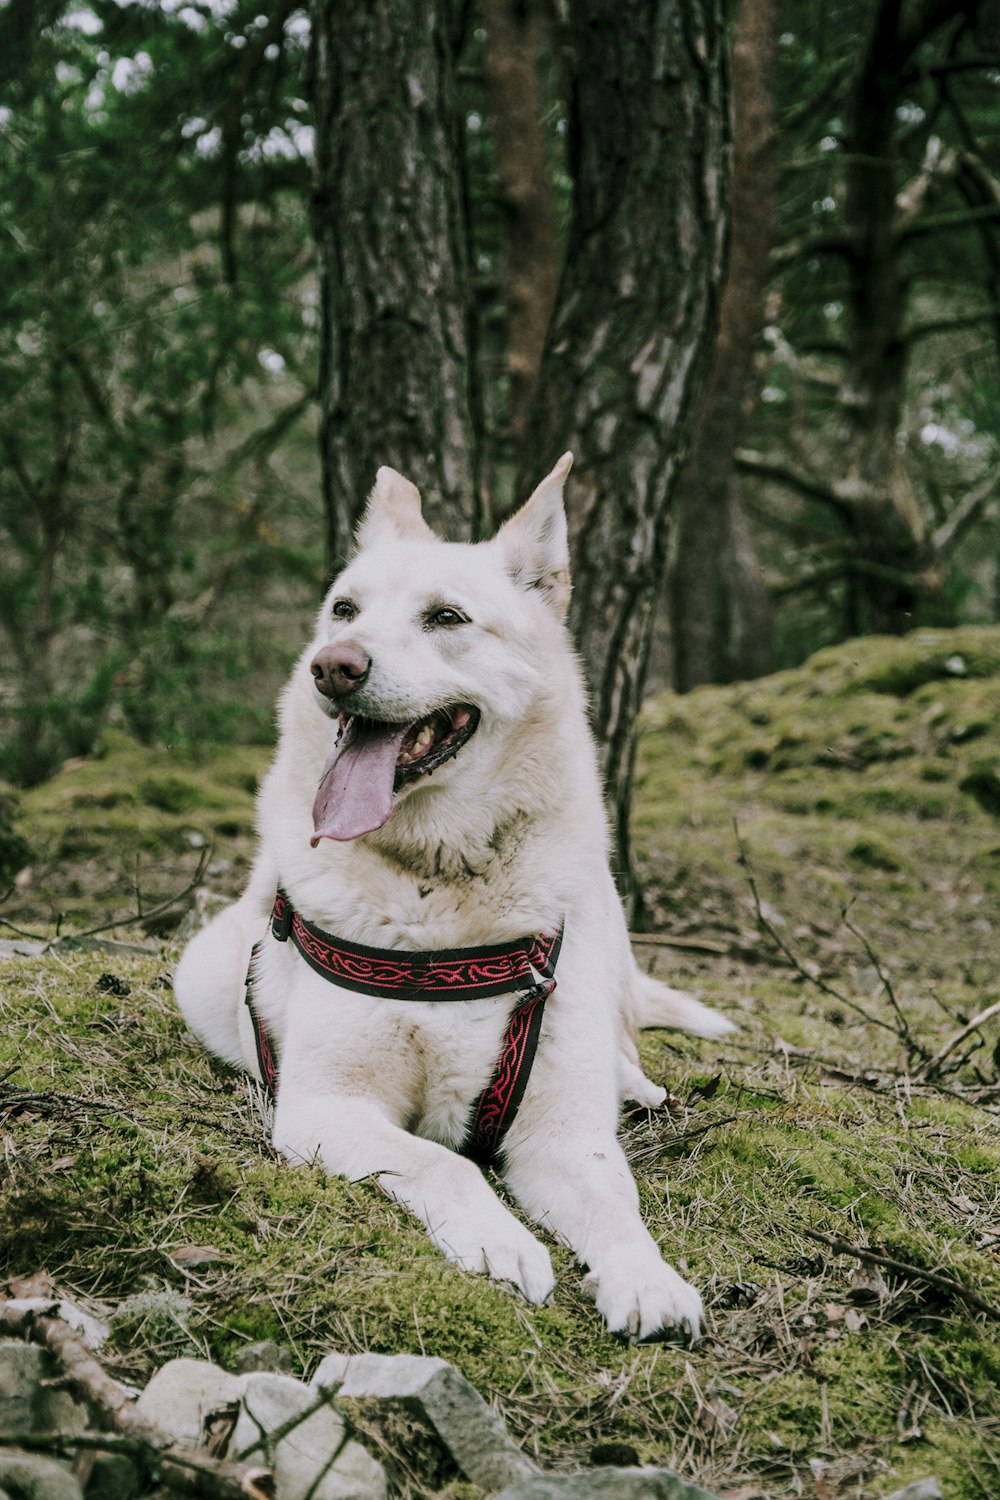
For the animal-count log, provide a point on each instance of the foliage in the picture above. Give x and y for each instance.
(925, 350)
(155, 268)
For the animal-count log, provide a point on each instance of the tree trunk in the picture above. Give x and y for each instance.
(396, 364)
(886, 528)
(720, 612)
(511, 59)
(633, 328)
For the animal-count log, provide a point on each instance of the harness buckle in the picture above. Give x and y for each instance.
(281, 918)
(541, 988)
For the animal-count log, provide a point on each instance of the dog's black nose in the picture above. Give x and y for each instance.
(340, 669)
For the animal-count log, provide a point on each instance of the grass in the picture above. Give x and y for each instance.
(853, 783)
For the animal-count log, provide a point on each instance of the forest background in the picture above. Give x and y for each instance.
(523, 215)
(745, 261)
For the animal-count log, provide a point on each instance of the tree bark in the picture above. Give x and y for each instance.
(885, 523)
(633, 328)
(511, 60)
(396, 361)
(720, 612)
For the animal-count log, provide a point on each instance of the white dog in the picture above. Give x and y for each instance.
(457, 831)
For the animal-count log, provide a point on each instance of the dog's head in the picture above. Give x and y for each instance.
(423, 644)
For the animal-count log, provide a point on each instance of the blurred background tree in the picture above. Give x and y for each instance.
(521, 210)
(157, 352)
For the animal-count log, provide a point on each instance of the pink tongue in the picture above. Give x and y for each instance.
(355, 793)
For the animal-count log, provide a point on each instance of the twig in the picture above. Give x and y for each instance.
(695, 945)
(141, 916)
(933, 1064)
(817, 980)
(902, 1268)
(178, 1468)
(902, 1027)
(48, 1103)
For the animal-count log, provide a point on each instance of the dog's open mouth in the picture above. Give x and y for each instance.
(374, 759)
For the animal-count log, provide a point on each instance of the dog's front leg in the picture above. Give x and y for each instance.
(354, 1137)
(582, 1190)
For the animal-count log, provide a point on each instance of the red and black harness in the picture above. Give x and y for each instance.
(527, 965)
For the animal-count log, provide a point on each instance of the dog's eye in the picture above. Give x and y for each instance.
(344, 609)
(447, 616)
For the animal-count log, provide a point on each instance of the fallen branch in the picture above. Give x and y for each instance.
(933, 1064)
(176, 1467)
(693, 945)
(935, 1279)
(69, 938)
(817, 980)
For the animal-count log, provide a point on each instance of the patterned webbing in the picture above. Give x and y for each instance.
(527, 964)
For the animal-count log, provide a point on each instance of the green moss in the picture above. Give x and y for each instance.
(983, 783)
(875, 854)
(144, 1146)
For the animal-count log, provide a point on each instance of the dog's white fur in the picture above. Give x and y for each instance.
(509, 837)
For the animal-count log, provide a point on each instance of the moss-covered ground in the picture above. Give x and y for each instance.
(821, 853)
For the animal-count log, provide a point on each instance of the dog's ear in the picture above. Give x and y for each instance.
(393, 509)
(535, 542)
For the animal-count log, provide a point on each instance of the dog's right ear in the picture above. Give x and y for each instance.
(393, 509)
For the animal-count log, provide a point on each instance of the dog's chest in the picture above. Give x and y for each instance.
(387, 905)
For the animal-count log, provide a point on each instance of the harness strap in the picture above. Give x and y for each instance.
(394, 974)
(449, 974)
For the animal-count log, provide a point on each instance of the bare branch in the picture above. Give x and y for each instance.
(959, 218)
(965, 514)
(949, 325)
(935, 1279)
(841, 498)
(970, 64)
(179, 1468)
(932, 1067)
(830, 242)
(939, 170)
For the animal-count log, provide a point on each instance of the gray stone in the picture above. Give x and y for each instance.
(27, 1404)
(26, 1476)
(305, 1440)
(205, 905)
(183, 1394)
(113, 1476)
(607, 1484)
(439, 1397)
(23, 1367)
(920, 1489)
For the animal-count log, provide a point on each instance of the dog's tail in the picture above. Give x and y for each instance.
(656, 1004)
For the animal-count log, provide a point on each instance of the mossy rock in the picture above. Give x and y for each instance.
(983, 783)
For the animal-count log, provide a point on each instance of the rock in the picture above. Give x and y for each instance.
(305, 1440)
(920, 1489)
(113, 1476)
(23, 1367)
(440, 1398)
(267, 1355)
(26, 1476)
(205, 905)
(183, 1395)
(607, 1484)
(27, 1403)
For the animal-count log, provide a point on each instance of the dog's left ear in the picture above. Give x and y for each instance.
(393, 510)
(535, 542)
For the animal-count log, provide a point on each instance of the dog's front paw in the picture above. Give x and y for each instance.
(504, 1251)
(647, 1301)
